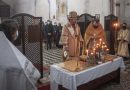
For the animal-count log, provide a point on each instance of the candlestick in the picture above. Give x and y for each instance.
(115, 44)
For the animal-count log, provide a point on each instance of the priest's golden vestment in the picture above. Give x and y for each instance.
(92, 36)
(123, 38)
(71, 38)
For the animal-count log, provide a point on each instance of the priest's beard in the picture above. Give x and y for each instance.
(124, 27)
(95, 27)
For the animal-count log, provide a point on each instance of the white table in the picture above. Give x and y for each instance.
(71, 80)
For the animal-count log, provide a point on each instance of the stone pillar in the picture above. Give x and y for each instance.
(62, 11)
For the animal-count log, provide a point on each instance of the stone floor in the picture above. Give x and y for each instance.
(55, 56)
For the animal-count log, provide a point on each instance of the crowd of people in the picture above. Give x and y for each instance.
(52, 33)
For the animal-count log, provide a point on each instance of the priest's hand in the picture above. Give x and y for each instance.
(66, 48)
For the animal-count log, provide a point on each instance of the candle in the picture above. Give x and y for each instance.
(97, 44)
(94, 49)
(87, 52)
(105, 46)
(102, 47)
(92, 53)
(107, 50)
(115, 25)
(100, 41)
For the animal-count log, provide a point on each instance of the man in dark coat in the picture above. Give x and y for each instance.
(49, 34)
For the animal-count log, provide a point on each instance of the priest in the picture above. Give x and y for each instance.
(93, 33)
(16, 71)
(71, 38)
(123, 39)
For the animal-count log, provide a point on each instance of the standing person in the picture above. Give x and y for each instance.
(16, 71)
(71, 38)
(55, 33)
(123, 39)
(59, 35)
(95, 32)
(49, 34)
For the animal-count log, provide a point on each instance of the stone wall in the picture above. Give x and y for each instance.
(21, 6)
(33, 7)
(41, 8)
(92, 7)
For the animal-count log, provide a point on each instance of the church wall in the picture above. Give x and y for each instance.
(33, 7)
(11, 3)
(127, 12)
(62, 11)
(21, 6)
(92, 7)
(42, 9)
(123, 8)
(101, 7)
(77, 5)
(126, 17)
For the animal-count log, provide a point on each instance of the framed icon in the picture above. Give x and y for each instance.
(97, 16)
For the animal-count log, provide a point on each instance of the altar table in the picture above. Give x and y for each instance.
(61, 77)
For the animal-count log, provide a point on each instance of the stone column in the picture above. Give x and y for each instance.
(62, 11)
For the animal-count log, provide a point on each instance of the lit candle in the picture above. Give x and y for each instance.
(102, 47)
(107, 50)
(97, 44)
(92, 53)
(100, 40)
(105, 46)
(115, 25)
(94, 49)
(87, 52)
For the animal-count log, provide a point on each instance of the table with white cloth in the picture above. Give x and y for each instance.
(16, 71)
(72, 80)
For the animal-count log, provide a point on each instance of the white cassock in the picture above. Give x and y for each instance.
(16, 71)
(123, 38)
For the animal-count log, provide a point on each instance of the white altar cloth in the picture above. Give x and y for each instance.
(71, 80)
(16, 71)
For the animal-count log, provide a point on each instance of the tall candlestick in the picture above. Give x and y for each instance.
(115, 44)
